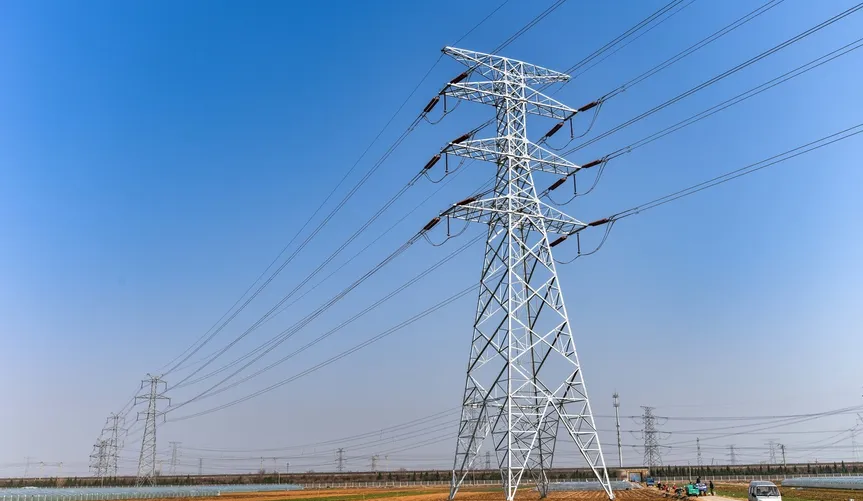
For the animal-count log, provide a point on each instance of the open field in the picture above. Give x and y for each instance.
(433, 494)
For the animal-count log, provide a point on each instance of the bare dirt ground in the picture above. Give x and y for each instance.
(431, 494)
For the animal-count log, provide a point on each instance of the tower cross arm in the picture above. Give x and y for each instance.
(490, 210)
(489, 91)
(492, 66)
(539, 158)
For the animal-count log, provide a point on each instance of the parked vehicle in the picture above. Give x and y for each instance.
(691, 490)
(764, 491)
(650, 482)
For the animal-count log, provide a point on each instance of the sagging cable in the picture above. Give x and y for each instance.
(447, 170)
(605, 221)
(449, 233)
(572, 137)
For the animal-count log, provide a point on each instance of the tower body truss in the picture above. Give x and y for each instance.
(152, 392)
(524, 380)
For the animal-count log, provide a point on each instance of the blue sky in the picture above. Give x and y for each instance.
(155, 157)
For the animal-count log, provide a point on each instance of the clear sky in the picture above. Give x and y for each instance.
(156, 156)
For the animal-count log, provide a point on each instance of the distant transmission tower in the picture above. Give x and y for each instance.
(340, 460)
(374, 464)
(99, 459)
(731, 455)
(698, 460)
(152, 393)
(175, 446)
(854, 451)
(616, 398)
(114, 431)
(652, 458)
(524, 379)
(782, 448)
(772, 451)
(488, 460)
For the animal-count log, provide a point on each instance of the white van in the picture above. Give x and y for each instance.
(763, 491)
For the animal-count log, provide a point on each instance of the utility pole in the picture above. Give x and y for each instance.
(153, 391)
(698, 448)
(524, 380)
(174, 454)
(616, 398)
(652, 457)
(340, 460)
(732, 456)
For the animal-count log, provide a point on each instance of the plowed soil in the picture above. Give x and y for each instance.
(431, 494)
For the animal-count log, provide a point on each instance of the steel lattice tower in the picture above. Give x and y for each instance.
(524, 379)
(174, 456)
(113, 429)
(99, 459)
(652, 458)
(698, 459)
(154, 388)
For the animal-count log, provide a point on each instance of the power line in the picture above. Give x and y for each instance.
(719, 77)
(210, 333)
(748, 169)
(695, 47)
(336, 357)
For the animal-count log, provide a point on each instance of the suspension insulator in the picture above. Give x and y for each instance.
(588, 106)
(431, 162)
(591, 164)
(467, 200)
(557, 184)
(462, 138)
(431, 104)
(459, 78)
(431, 224)
(598, 222)
(558, 241)
(554, 129)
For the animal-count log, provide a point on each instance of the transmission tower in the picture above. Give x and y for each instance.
(731, 455)
(616, 398)
(698, 459)
(772, 451)
(152, 392)
(175, 446)
(488, 460)
(854, 451)
(99, 459)
(374, 461)
(115, 431)
(782, 448)
(652, 458)
(523, 378)
(340, 460)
